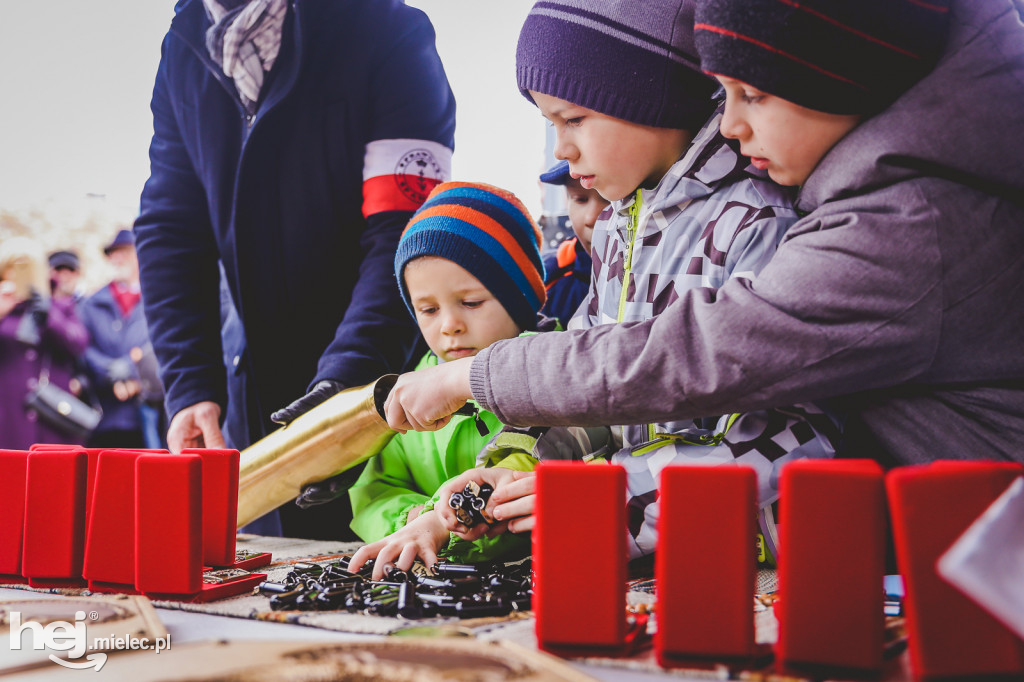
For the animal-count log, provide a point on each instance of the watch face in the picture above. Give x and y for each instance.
(46, 611)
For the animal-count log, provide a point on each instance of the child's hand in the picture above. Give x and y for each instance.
(507, 503)
(514, 501)
(425, 400)
(422, 538)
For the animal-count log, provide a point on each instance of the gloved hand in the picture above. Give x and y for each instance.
(33, 321)
(321, 392)
(328, 489)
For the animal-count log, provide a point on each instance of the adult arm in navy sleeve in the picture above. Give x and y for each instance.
(411, 102)
(178, 271)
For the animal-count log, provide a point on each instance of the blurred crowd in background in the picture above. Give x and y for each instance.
(76, 364)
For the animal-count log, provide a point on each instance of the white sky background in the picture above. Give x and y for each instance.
(76, 78)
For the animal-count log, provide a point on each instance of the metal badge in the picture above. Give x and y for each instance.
(225, 575)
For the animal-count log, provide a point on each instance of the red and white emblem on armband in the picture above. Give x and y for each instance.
(399, 174)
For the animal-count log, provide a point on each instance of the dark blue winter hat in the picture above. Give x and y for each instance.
(836, 56)
(630, 60)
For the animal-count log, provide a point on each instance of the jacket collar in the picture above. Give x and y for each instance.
(708, 162)
(190, 23)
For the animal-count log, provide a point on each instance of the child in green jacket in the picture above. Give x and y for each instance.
(469, 269)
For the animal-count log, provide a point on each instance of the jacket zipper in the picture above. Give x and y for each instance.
(634, 220)
(633, 228)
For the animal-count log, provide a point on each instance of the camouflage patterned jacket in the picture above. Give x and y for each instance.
(711, 218)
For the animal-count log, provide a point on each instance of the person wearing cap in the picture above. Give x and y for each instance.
(117, 329)
(65, 272)
(568, 268)
(687, 211)
(895, 297)
(470, 272)
(40, 338)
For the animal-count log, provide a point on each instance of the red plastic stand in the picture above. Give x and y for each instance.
(13, 468)
(705, 564)
(209, 592)
(251, 562)
(168, 523)
(220, 504)
(948, 634)
(579, 555)
(54, 536)
(833, 533)
(110, 539)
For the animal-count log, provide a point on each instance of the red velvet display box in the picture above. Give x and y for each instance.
(169, 532)
(53, 543)
(705, 563)
(948, 634)
(220, 504)
(13, 468)
(579, 555)
(833, 533)
(110, 538)
(168, 524)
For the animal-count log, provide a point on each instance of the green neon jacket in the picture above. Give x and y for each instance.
(409, 470)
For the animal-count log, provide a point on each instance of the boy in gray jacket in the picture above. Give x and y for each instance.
(896, 295)
(687, 211)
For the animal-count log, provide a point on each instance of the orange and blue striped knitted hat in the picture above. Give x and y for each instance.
(487, 231)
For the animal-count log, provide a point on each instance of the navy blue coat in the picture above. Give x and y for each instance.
(567, 284)
(278, 198)
(111, 338)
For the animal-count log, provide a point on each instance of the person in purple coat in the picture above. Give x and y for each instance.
(39, 339)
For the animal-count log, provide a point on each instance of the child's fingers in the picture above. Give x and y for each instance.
(408, 556)
(521, 486)
(522, 524)
(497, 529)
(395, 414)
(521, 506)
(362, 555)
(385, 559)
(474, 533)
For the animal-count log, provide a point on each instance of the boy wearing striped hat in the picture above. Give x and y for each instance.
(469, 270)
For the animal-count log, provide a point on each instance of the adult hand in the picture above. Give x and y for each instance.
(425, 400)
(321, 392)
(126, 390)
(422, 538)
(196, 426)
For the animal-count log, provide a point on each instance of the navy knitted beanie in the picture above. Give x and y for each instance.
(836, 56)
(630, 60)
(488, 232)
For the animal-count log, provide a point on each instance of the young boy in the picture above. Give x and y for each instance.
(469, 269)
(568, 268)
(687, 211)
(896, 294)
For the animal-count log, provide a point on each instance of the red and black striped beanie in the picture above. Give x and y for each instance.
(836, 56)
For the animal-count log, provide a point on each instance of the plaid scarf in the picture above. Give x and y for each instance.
(244, 41)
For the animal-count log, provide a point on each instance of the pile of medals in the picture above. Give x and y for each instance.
(451, 590)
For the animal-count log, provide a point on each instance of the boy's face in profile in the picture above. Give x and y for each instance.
(585, 205)
(787, 139)
(608, 154)
(456, 314)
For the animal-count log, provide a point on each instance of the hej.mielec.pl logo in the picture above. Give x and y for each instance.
(72, 638)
